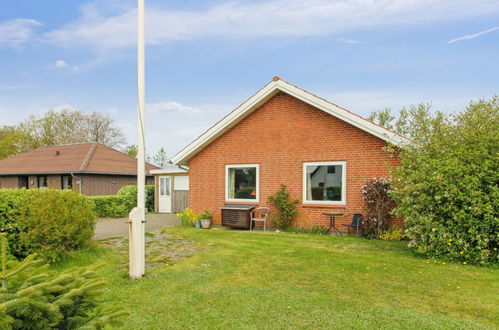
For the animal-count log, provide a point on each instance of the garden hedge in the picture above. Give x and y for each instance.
(47, 222)
(112, 206)
(120, 205)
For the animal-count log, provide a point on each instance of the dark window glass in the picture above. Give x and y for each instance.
(42, 182)
(242, 183)
(67, 182)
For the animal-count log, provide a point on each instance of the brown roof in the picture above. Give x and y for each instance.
(71, 158)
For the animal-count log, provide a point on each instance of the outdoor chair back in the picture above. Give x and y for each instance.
(260, 214)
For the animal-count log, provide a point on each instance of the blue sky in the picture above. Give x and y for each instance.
(206, 57)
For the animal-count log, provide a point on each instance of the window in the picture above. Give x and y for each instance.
(164, 186)
(67, 182)
(42, 182)
(241, 183)
(324, 183)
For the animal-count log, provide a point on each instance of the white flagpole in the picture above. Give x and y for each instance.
(137, 215)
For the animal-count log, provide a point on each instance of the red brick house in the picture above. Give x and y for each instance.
(90, 168)
(286, 135)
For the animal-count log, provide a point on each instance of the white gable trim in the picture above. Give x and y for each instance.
(259, 98)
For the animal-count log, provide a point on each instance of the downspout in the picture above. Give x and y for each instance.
(78, 180)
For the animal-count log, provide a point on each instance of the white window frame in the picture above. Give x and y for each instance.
(227, 199)
(343, 183)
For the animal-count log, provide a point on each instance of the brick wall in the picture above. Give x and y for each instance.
(106, 184)
(8, 182)
(91, 184)
(280, 136)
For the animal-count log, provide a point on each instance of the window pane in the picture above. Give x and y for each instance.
(67, 182)
(167, 186)
(324, 182)
(242, 183)
(162, 186)
(42, 182)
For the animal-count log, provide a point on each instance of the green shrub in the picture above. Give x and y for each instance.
(112, 206)
(131, 191)
(286, 208)
(393, 233)
(48, 222)
(447, 187)
(10, 210)
(33, 297)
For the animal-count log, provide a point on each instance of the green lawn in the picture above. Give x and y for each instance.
(269, 280)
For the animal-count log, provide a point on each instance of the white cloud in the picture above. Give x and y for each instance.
(348, 41)
(58, 64)
(16, 32)
(472, 36)
(168, 107)
(102, 31)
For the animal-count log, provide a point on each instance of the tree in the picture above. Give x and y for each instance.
(160, 159)
(69, 126)
(407, 122)
(131, 150)
(446, 188)
(9, 137)
(35, 297)
(101, 128)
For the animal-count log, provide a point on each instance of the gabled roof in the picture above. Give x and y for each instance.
(71, 158)
(263, 95)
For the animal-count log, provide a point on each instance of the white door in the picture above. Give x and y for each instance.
(165, 194)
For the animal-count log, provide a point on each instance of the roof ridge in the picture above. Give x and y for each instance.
(88, 157)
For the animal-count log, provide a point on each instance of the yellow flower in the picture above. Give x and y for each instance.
(461, 252)
(449, 243)
(464, 262)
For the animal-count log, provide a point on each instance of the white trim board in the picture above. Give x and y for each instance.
(242, 200)
(343, 201)
(264, 94)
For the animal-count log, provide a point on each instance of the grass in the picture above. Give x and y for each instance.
(285, 280)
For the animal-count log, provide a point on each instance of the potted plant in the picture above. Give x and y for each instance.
(205, 219)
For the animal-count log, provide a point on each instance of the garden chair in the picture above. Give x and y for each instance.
(260, 214)
(356, 222)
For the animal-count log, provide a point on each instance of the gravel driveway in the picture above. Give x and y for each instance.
(118, 227)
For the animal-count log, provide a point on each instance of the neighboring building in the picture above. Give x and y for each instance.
(172, 189)
(323, 153)
(90, 168)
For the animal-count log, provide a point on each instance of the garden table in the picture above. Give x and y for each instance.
(332, 219)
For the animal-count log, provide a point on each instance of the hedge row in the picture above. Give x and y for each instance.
(47, 222)
(120, 205)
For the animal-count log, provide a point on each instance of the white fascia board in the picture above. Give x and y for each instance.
(168, 171)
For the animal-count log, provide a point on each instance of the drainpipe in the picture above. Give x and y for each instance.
(78, 180)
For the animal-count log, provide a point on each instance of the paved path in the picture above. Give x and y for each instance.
(114, 227)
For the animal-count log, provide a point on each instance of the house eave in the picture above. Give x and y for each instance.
(68, 173)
